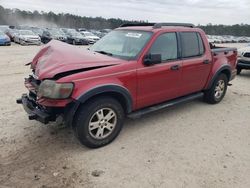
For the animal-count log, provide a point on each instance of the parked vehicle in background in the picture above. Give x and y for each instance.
(55, 34)
(227, 39)
(97, 33)
(90, 37)
(27, 37)
(4, 28)
(132, 71)
(243, 59)
(74, 37)
(210, 39)
(81, 29)
(4, 39)
(38, 31)
(68, 30)
(12, 33)
(103, 32)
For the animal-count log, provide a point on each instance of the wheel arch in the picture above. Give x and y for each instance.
(120, 93)
(225, 69)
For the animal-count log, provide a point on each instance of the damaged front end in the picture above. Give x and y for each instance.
(32, 103)
(48, 96)
(35, 111)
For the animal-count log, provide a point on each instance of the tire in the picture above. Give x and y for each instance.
(238, 71)
(22, 42)
(103, 130)
(218, 90)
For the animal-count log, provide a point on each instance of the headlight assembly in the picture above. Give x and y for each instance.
(51, 89)
(240, 54)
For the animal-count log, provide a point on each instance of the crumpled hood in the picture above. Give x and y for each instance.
(57, 57)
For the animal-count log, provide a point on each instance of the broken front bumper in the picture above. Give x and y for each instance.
(35, 112)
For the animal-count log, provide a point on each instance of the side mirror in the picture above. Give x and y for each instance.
(151, 59)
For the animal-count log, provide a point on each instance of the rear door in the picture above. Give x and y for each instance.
(196, 64)
(160, 82)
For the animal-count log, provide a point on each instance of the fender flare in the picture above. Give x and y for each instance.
(72, 108)
(115, 89)
(221, 69)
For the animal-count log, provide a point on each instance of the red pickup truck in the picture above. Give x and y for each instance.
(134, 70)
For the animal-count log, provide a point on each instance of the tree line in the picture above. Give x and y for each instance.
(18, 17)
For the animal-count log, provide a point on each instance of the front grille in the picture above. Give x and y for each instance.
(247, 54)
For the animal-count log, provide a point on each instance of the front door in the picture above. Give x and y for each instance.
(160, 82)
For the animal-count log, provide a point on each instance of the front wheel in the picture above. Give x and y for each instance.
(99, 122)
(218, 90)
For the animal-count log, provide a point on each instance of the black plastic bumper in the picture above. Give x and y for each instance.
(243, 64)
(34, 111)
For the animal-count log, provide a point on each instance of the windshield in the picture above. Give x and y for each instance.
(37, 31)
(56, 32)
(1, 33)
(124, 44)
(3, 28)
(76, 34)
(26, 32)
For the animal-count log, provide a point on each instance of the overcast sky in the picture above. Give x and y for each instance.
(194, 11)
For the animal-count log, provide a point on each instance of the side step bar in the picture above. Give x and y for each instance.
(167, 104)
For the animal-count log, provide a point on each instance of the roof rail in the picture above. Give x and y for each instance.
(158, 25)
(137, 24)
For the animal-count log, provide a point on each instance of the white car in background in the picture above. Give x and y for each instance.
(210, 39)
(243, 59)
(90, 37)
(26, 37)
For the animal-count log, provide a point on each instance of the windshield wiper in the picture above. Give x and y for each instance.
(105, 53)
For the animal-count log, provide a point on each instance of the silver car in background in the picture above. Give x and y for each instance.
(243, 59)
(90, 36)
(27, 37)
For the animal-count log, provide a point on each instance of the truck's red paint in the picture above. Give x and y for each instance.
(147, 85)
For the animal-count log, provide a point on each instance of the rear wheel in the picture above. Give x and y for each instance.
(99, 122)
(218, 90)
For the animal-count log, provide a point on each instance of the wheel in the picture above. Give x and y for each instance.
(218, 90)
(98, 122)
(22, 42)
(238, 71)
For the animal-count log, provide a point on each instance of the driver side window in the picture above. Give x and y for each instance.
(166, 46)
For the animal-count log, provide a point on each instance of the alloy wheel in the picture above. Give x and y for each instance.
(102, 123)
(219, 89)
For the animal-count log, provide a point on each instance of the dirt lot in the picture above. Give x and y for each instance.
(190, 145)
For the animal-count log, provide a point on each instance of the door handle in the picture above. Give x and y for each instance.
(206, 61)
(175, 67)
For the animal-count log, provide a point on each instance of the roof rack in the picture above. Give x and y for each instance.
(137, 24)
(158, 25)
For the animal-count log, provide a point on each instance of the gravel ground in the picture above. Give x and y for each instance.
(189, 145)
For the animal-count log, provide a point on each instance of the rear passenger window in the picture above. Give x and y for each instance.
(166, 45)
(192, 44)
